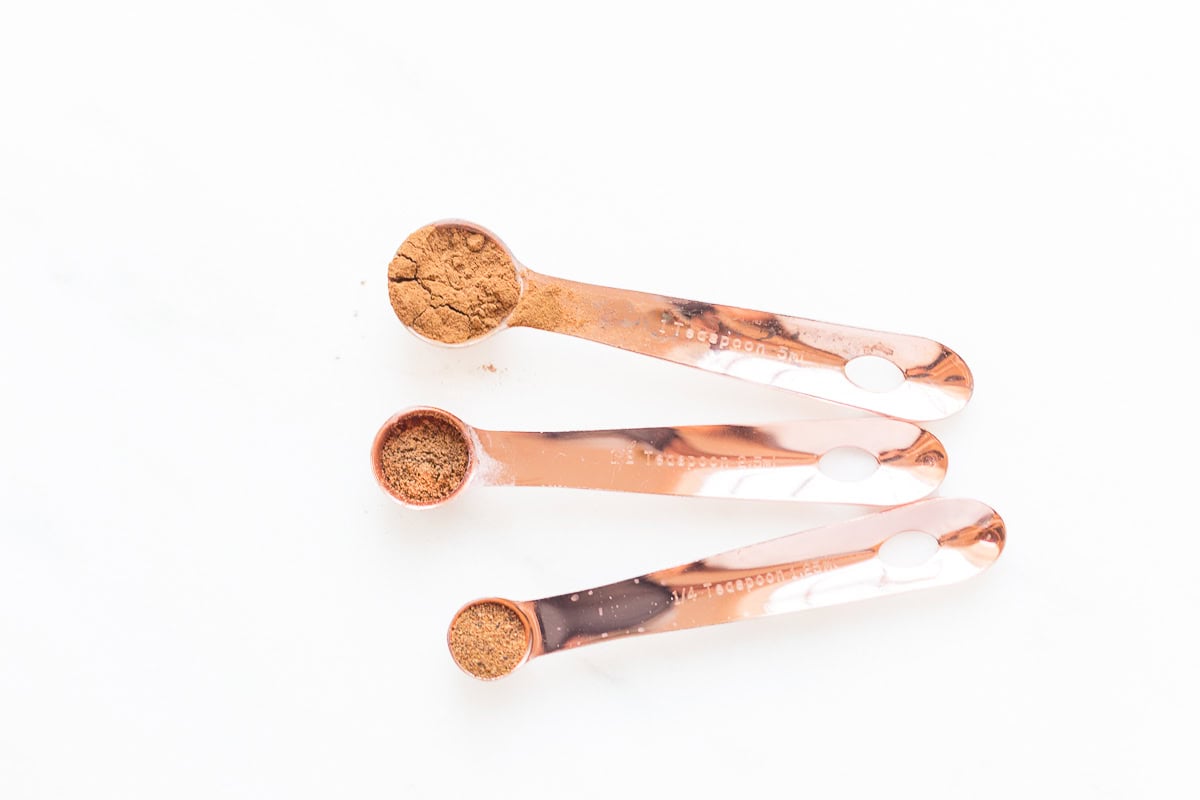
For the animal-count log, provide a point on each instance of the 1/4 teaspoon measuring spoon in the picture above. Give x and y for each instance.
(425, 456)
(455, 282)
(918, 546)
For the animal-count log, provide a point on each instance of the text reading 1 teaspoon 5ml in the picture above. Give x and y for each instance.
(454, 282)
(425, 456)
(925, 544)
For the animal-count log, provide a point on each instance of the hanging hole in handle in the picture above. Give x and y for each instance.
(848, 464)
(874, 373)
(908, 549)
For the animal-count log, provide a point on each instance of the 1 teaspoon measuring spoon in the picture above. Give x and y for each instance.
(455, 282)
(918, 546)
(426, 456)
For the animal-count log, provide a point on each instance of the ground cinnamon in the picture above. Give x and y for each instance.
(488, 639)
(452, 281)
(548, 307)
(424, 459)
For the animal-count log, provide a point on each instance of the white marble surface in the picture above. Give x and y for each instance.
(202, 592)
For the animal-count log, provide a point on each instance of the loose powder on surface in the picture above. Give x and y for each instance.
(424, 459)
(452, 282)
(488, 640)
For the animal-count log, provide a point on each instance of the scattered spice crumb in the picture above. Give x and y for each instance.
(452, 282)
(488, 639)
(488, 367)
(424, 459)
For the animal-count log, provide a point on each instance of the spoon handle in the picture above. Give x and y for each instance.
(825, 566)
(778, 461)
(791, 353)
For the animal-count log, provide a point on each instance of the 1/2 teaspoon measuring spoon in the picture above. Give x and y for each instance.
(918, 546)
(455, 282)
(425, 456)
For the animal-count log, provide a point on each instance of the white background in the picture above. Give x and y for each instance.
(203, 593)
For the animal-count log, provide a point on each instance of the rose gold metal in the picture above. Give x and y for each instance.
(800, 355)
(825, 566)
(779, 461)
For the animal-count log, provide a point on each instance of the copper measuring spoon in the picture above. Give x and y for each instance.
(930, 543)
(889, 461)
(455, 282)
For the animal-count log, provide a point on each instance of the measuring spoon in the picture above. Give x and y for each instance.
(930, 543)
(425, 456)
(455, 282)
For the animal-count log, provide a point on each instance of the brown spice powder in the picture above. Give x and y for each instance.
(452, 282)
(488, 639)
(424, 459)
(547, 308)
